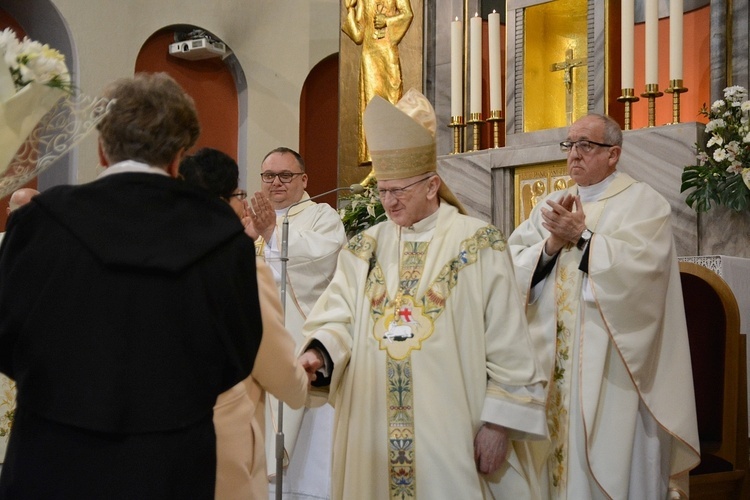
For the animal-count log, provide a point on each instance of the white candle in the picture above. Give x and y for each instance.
(457, 60)
(475, 53)
(675, 39)
(652, 42)
(496, 74)
(628, 27)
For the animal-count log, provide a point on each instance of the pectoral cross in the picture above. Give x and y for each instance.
(566, 67)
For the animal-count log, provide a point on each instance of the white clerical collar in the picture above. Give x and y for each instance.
(131, 166)
(592, 193)
(422, 230)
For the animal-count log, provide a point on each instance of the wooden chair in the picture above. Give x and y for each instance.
(717, 352)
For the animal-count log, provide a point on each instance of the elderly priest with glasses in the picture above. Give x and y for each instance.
(597, 265)
(420, 342)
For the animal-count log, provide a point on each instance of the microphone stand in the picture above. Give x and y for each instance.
(356, 189)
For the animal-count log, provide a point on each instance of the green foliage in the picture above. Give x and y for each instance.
(361, 211)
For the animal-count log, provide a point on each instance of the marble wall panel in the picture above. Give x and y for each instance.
(657, 156)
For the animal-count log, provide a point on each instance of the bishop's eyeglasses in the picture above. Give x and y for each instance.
(285, 177)
(399, 193)
(583, 146)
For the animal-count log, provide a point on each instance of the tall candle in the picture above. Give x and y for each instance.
(628, 27)
(675, 39)
(475, 53)
(457, 60)
(496, 75)
(652, 42)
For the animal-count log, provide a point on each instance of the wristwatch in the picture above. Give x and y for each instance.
(584, 239)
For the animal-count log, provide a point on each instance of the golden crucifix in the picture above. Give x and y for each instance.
(566, 67)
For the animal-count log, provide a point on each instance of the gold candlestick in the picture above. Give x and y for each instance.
(475, 119)
(496, 116)
(652, 92)
(457, 124)
(628, 97)
(675, 88)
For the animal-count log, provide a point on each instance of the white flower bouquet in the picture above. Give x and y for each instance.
(722, 173)
(29, 61)
(41, 118)
(34, 78)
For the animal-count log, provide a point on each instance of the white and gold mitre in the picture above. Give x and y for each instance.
(401, 139)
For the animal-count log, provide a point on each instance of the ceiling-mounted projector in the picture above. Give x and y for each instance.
(197, 48)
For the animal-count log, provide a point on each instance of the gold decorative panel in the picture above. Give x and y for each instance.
(410, 53)
(555, 73)
(534, 182)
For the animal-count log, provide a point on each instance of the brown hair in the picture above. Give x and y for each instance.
(150, 120)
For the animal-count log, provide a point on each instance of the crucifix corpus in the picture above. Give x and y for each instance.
(566, 67)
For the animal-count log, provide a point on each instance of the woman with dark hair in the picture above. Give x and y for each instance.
(239, 414)
(217, 173)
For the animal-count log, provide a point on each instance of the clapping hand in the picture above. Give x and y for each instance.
(262, 216)
(564, 224)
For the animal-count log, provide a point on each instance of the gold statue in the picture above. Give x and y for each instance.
(378, 26)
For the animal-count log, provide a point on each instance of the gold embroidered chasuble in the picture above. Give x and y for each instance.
(568, 283)
(558, 402)
(627, 357)
(410, 400)
(406, 322)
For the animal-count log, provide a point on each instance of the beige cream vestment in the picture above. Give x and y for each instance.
(622, 411)
(239, 413)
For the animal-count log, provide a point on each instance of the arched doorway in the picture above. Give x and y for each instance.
(318, 128)
(215, 84)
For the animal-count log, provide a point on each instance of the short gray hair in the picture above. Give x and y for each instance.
(612, 130)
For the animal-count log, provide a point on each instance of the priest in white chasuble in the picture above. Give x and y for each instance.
(420, 341)
(598, 267)
(315, 235)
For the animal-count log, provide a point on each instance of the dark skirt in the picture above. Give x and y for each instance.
(47, 460)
